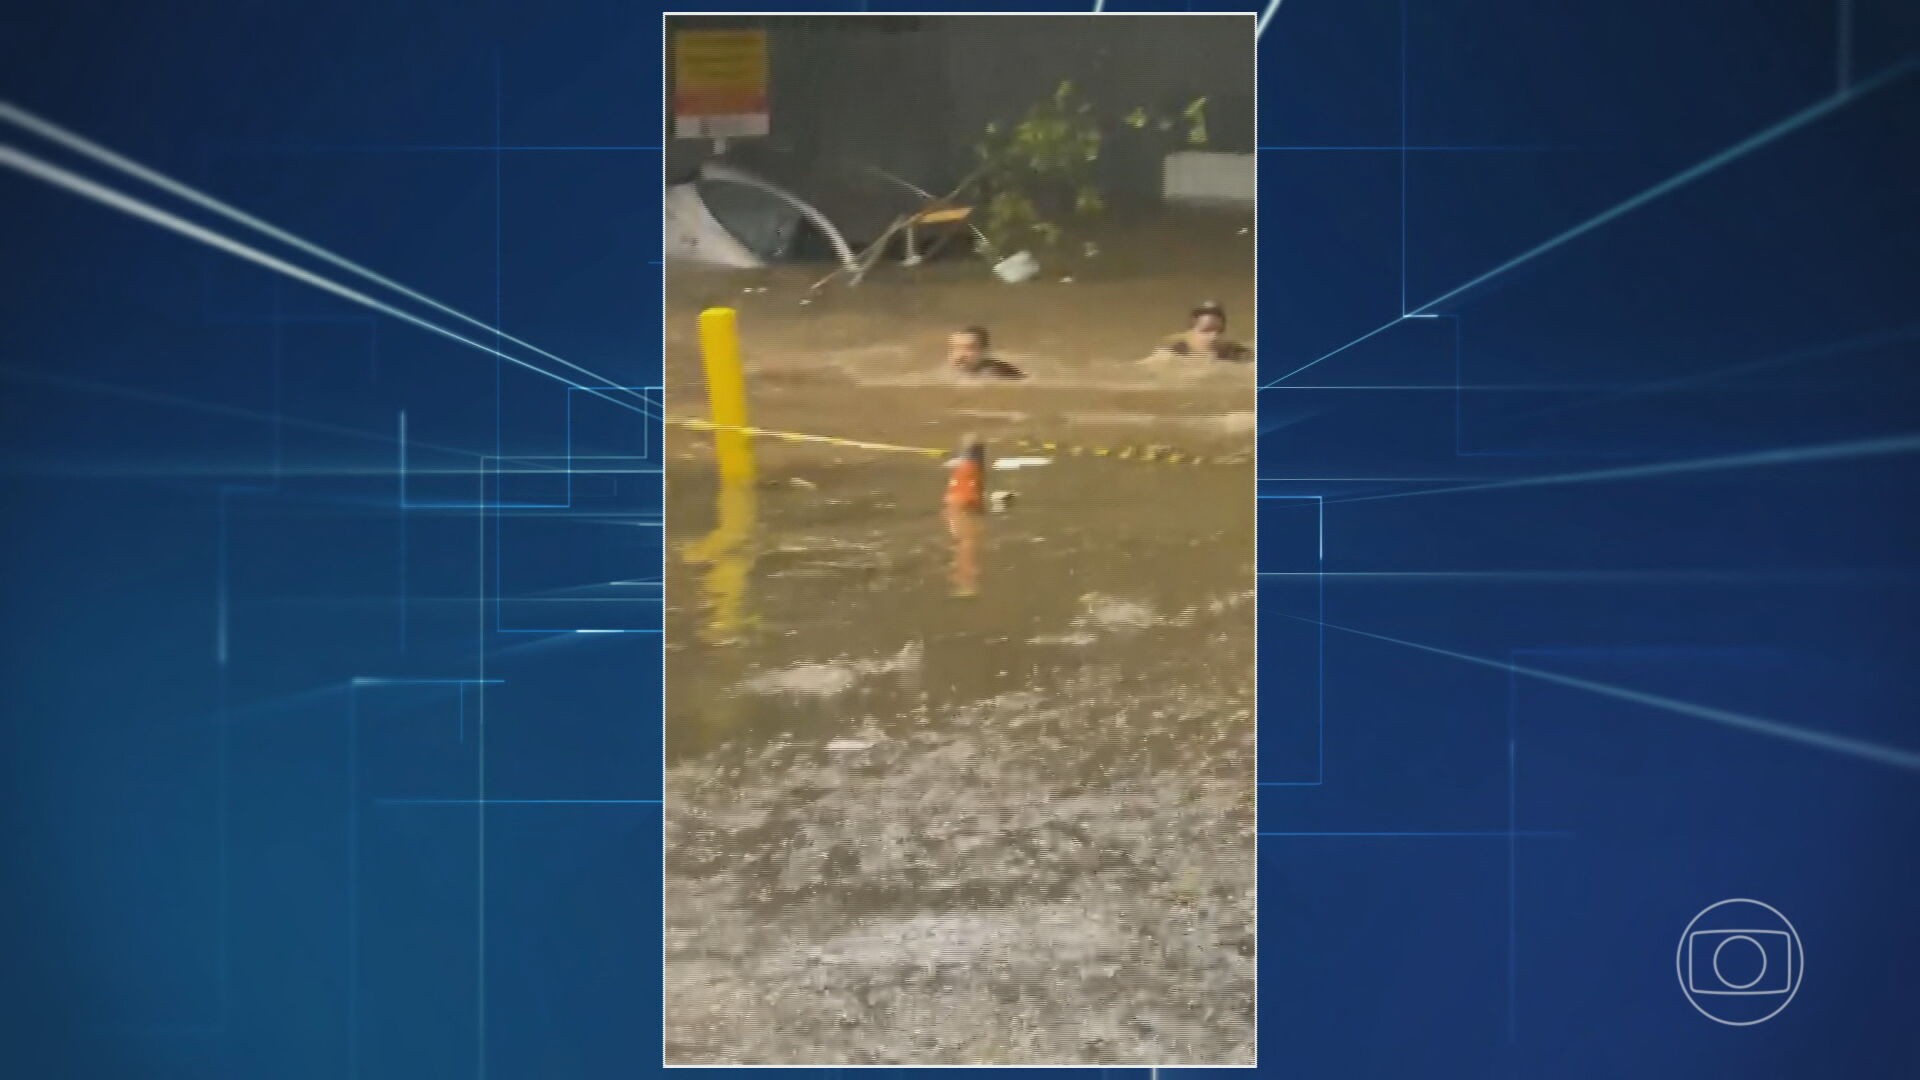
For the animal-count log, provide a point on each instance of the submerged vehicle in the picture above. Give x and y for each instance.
(729, 217)
(726, 216)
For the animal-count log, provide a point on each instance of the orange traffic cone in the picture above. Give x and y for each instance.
(964, 504)
(966, 483)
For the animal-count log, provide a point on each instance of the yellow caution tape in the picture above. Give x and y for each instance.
(802, 437)
(1158, 454)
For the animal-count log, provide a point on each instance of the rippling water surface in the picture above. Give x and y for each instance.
(905, 826)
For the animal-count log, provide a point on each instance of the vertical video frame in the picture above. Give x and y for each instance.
(960, 509)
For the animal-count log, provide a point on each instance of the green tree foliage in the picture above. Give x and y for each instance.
(1035, 174)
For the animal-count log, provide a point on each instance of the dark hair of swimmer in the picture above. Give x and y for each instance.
(1206, 309)
(973, 448)
(978, 333)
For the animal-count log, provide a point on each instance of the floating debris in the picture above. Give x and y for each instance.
(1015, 269)
(1113, 613)
(830, 680)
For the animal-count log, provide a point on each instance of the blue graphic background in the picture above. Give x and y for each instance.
(1588, 569)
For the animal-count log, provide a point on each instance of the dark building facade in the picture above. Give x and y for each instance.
(910, 94)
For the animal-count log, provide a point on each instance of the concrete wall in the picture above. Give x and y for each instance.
(910, 94)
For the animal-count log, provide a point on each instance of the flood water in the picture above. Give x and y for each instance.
(980, 795)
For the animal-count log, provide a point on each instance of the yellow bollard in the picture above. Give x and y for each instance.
(727, 394)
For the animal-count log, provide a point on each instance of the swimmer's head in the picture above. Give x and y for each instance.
(973, 448)
(966, 348)
(1207, 323)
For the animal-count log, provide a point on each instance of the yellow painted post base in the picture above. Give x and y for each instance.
(727, 553)
(727, 395)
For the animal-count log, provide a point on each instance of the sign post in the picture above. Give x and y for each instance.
(720, 85)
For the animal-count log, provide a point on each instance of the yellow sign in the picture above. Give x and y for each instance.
(719, 83)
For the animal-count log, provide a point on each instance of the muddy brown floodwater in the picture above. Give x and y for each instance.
(905, 827)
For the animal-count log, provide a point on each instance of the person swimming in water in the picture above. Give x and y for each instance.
(1205, 337)
(968, 355)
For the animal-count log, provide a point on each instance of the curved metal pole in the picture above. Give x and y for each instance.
(819, 220)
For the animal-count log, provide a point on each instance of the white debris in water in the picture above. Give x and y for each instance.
(1016, 268)
(1215, 607)
(803, 680)
(1114, 613)
(1220, 605)
(1232, 423)
(907, 659)
(1008, 464)
(1005, 415)
(1238, 423)
(930, 939)
(1077, 639)
(829, 680)
(850, 744)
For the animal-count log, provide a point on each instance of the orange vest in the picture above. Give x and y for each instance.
(963, 487)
